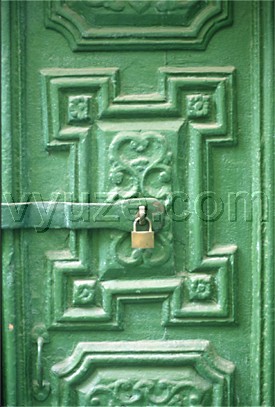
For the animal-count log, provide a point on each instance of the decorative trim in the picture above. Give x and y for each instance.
(92, 25)
(268, 310)
(10, 339)
(103, 304)
(16, 339)
(262, 316)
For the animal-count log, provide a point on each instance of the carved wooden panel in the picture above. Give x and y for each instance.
(94, 24)
(176, 126)
(138, 154)
(176, 373)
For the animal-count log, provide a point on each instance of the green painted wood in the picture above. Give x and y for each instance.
(169, 104)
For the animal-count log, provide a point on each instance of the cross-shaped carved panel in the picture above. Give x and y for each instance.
(124, 147)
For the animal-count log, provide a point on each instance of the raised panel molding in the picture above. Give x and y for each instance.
(79, 301)
(255, 370)
(94, 24)
(106, 374)
(83, 114)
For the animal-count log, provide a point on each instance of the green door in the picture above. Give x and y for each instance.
(119, 109)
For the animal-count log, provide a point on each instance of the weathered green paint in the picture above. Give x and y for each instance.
(169, 104)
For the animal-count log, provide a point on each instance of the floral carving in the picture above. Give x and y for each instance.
(78, 108)
(171, 5)
(83, 292)
(140, 164)
(114, 5)
(200, 287)
(116, 177)
(149, 393)
(198, 105)
(140, 6)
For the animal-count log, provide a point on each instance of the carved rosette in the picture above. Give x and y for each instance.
(200, 287)
(83, 293)
(78, 108)
(198, 105)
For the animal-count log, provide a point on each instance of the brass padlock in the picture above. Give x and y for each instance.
(143, 239)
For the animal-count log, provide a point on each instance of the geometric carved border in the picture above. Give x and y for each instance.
(136, 373)
(204, 297)
(78, 298)
(89, 25)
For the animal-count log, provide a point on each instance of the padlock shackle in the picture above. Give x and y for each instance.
(145, 219)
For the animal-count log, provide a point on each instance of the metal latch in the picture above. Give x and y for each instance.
(69, 215)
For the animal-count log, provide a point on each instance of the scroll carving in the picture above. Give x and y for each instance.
(140, 165)
(150, 393)
(145, 374)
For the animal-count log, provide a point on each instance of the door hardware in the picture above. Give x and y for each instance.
(70, 215)
(41, 387)
(142, 215)
(143, 239)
